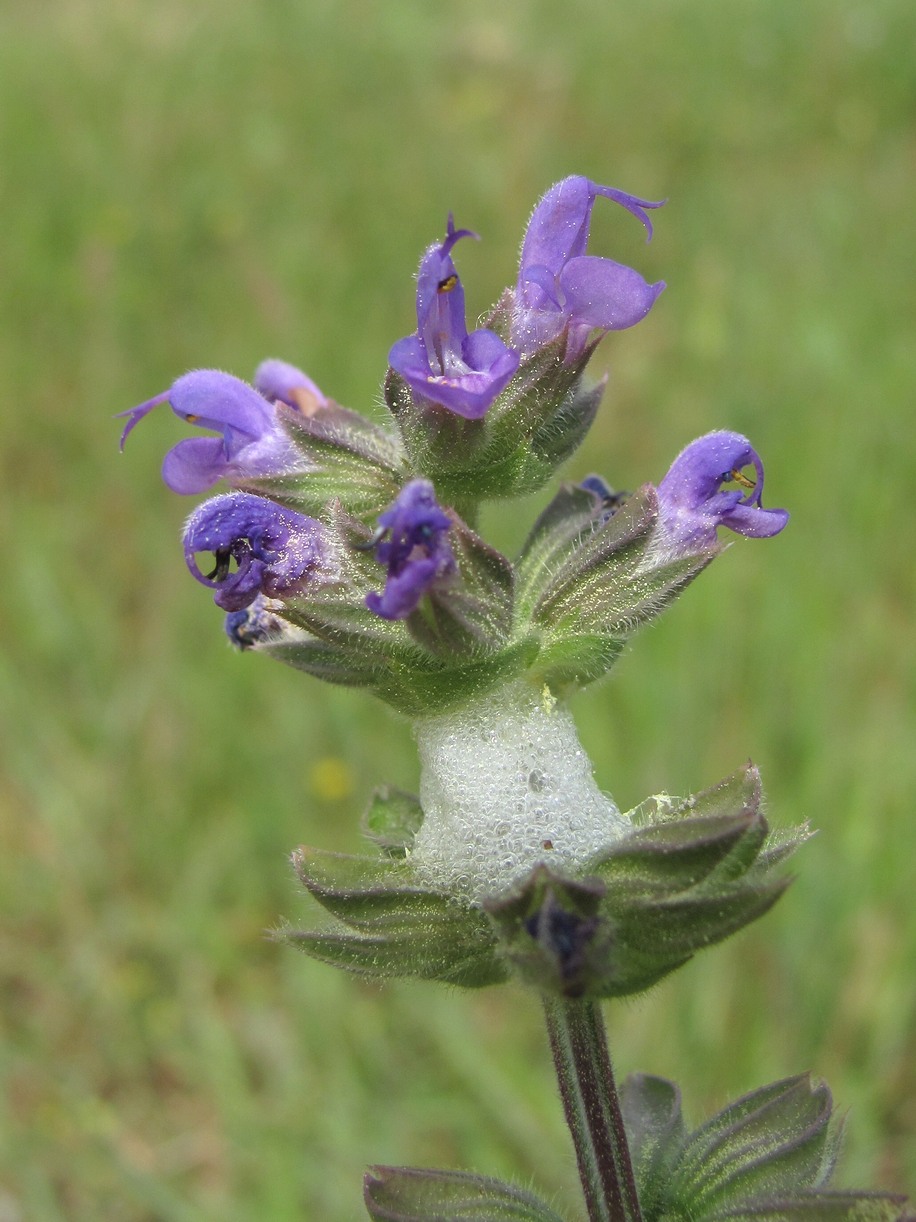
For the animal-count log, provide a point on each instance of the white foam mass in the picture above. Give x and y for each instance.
(505, 784)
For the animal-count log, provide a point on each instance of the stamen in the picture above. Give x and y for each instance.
(446, 285)
(377, 536)
(223, 559)
(740, 478)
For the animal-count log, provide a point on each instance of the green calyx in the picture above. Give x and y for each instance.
(583, 583)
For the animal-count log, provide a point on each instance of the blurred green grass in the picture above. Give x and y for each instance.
(207, 185)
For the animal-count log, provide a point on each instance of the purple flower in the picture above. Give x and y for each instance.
(560, 286)
(259, 548)
(693, 503)
(251, 443)
(416, 551)
(441, 362)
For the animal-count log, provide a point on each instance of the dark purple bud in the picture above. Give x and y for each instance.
(561, 286)
(254, 624)
(251, 442)
(414, 548)
(441, 362)
(276, 380)
(258, 548)
(610, 500)
(566, 937)
(693, 502)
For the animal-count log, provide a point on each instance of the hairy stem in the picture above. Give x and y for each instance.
(583, 1066)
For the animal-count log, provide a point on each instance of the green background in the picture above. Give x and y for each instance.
(207, 184)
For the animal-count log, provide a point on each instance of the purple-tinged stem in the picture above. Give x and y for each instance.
(592, 1108)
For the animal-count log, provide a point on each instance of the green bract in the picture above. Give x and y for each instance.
(697, 873)
(408, 1194)
(767, 1156)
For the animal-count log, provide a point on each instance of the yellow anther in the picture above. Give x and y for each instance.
(740, 478)
(446, 285)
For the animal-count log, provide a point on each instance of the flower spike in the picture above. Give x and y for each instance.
(441, 362)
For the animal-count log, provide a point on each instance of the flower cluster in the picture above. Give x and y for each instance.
(334, 526)
(349, 549)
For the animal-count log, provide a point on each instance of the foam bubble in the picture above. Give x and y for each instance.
(504, 785)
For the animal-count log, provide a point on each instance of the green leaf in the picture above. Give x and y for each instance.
(770, 1143)
(679, 927)
(560, 436)
(373, 642)
(738, 792)
(820, 1207)
(432, 686)
(407, 1194)
(655, 1129)
(393, 820)
(397, 925)
(764, 1158)
(350, 459)
(324, 661)
(365, 491)
(573, 661)
(333, 433)
(371, 893)
(610, 583)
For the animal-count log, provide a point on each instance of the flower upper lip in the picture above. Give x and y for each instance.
(441, 362)
(560, 285)
(251, 441)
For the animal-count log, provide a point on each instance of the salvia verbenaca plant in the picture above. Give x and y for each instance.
(350, 550)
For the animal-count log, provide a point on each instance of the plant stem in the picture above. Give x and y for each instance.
(583, 1066)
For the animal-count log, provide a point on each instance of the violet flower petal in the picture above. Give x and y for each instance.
(605, 294)
(441, 362)
(276, 550)
(693, 503)
(251, 442)
(415, 550)
(559, 286)
(194, 465)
